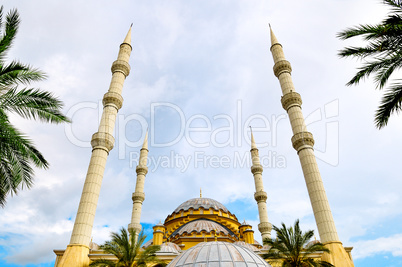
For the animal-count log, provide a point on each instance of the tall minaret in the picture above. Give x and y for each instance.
(303, 142)
(260, 195)
(138, 195)
(102, 142)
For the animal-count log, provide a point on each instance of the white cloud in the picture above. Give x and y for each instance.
(382, 245)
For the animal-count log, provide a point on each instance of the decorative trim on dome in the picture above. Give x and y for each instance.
(203, 224)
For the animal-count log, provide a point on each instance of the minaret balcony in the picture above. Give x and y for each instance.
(138, 197)
(260, 196)
(302, 140)
(102, 140)
(281, 67)
(291, 99)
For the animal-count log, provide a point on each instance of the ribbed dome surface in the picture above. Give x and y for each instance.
(247, 245)
(197, 203)
(203, 224)
(218, 254)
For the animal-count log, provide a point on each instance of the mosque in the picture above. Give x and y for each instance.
(201, 231)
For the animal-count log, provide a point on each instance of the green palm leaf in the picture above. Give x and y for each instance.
(17, 73)
(382, 56)
(291, 247)
(126, 246)
(33, 104)
(17, 152)
(11, 28)
(390, 103)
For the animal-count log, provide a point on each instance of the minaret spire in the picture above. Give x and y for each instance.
(303, 143)
(139, 195)
(102, 142)
(253, 146)
(127, 40)
(260, 195)
(273, 37)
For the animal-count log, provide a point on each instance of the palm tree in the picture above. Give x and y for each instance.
(292, 247)
(17, 152)
(126, 246)
(382, 56)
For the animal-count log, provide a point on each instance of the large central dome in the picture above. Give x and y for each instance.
(205, 203)
(200, 220)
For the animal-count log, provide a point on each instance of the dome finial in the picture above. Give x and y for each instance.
(200, 192)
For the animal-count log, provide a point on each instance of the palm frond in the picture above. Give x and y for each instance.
(11, 28)
(17, 73)
(384, 51)
(126, 246)
(290, 246)
(385, 71)
(390, 103)
(379, 65)
(102, 263)
(33, 104)
(366, 31)
(17, 153)
(396, 5)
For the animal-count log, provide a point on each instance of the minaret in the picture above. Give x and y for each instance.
(303, 142)
(102, 142)
(260, 195)
(139, 196)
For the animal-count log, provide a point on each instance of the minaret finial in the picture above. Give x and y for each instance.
(253, 146)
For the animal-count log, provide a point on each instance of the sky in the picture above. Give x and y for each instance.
(201, 74)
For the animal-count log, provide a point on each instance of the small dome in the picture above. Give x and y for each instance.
(247, 245)
(173, 245)
(197, 203)
(159, 224)
(169, 248)
(210, 254)
(203, 225)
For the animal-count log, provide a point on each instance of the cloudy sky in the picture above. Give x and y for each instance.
(201, 74)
